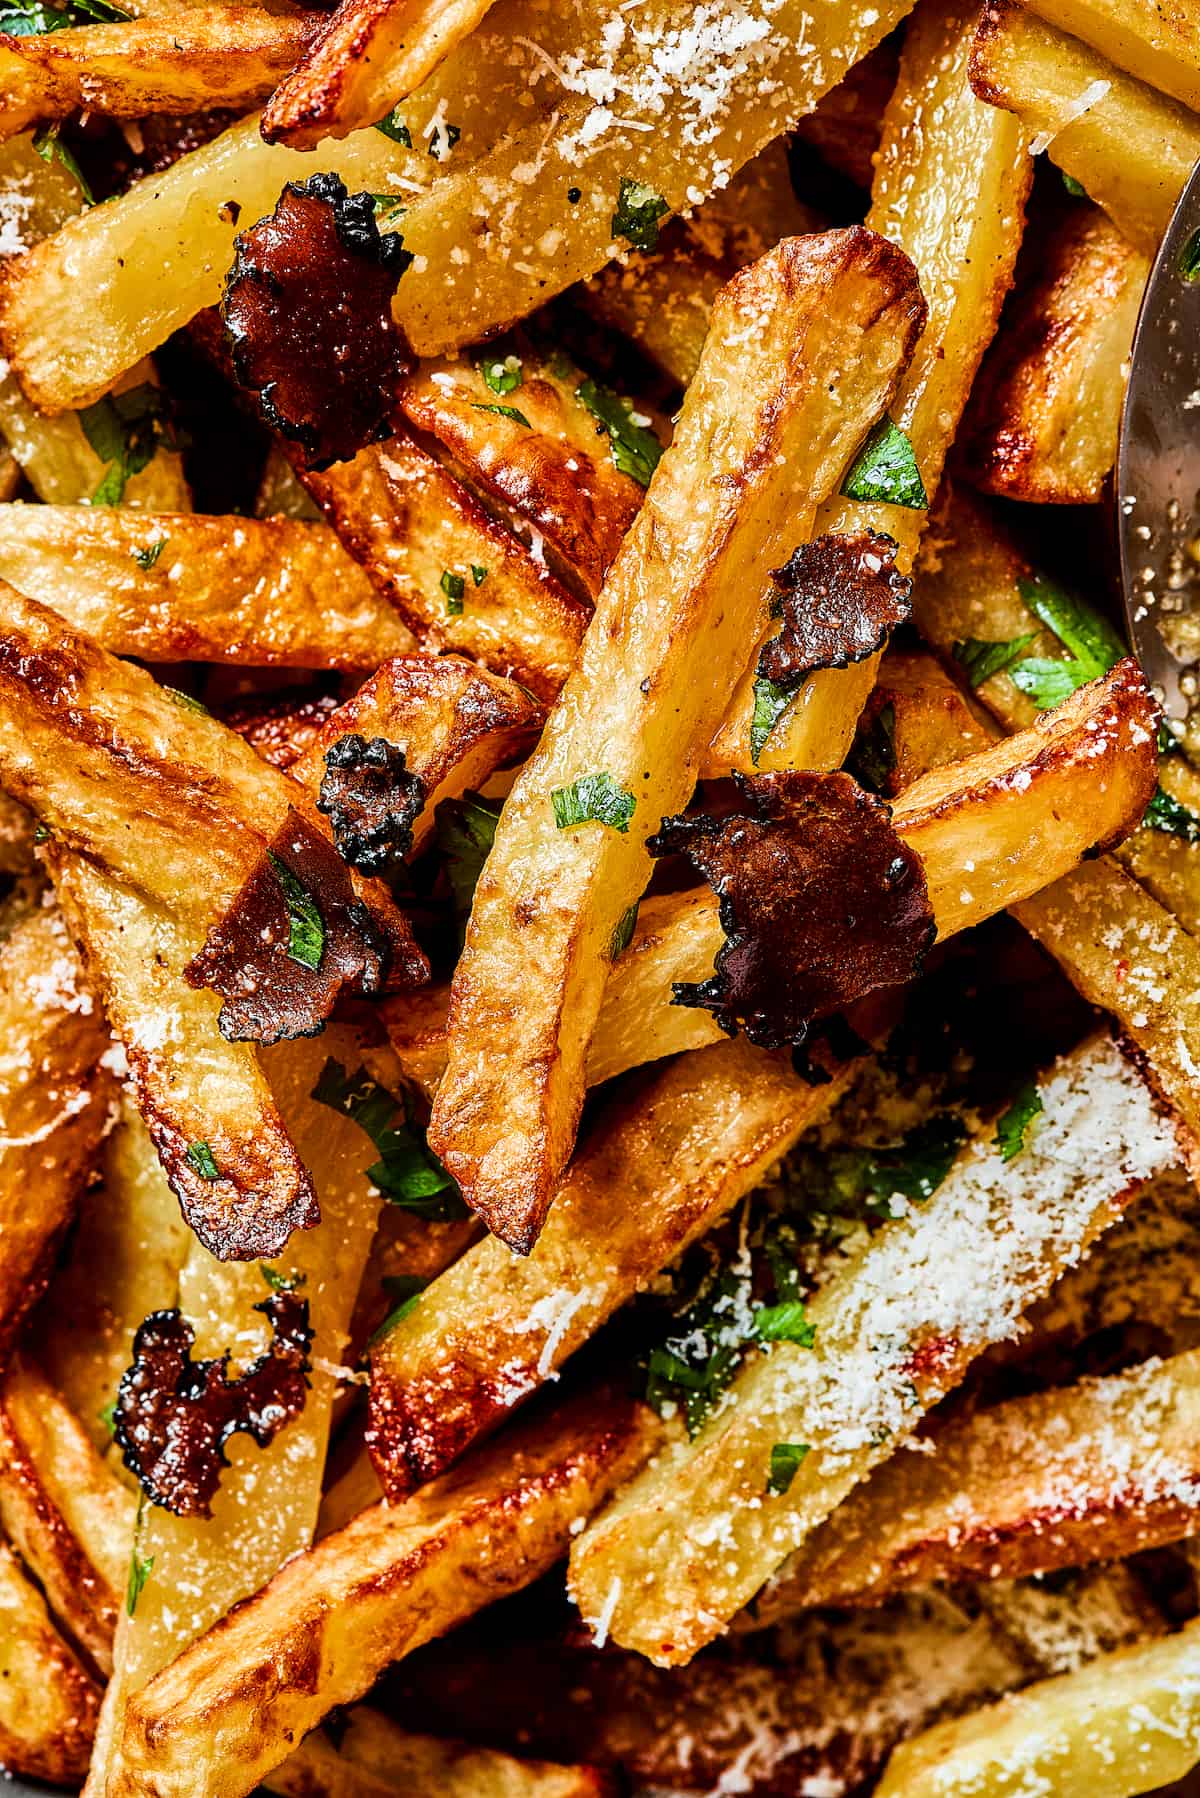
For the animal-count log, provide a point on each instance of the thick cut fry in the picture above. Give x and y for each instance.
(1081, 109)
(407, 521)
(455, 723)
(205, 57)
(66, 1513)
(658, 1171)
(54, 1100)
(225, 1712)
(757, 442)
(1056, 1479)
(1045, 411)
(374, 1758)
(48, 1704)
(1127, 1723)
(371, 55)
(170, 587)
(894, 1331)
(1158, 44)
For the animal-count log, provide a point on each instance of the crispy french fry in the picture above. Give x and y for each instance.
(371, 55)
(228, 1710)
(207, 56)
(894, 1331)
(455, 722)
(657, 1172)
(1159, 45)
(685, 591)
(169, 587)
(938, 141)
(1087, 114)
(48, 1704)
(1127, 1723)
(54, 1100)
(374, 1758)
(1044, 414)
(66, 1513)
(1168, 866)
(1055, 1479)
(280, 494)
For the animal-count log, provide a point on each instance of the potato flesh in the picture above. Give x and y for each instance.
(1159, 45)
(48, 1703)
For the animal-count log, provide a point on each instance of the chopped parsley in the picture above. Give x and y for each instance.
(188, 701)
(108, 1416)
(453, 586)
(872, 761)
(518, 418)
(146, 558)
(465, 830)
(407, 1173)
(1189, 257)
(478, 574)
(981, 659)
(388, 207)
(770, 703)
(1012, 1124)
(635, 450)
(139, 1564)
(859, 1180)
(622, 934)
(393, 126)
(593, 799)
(1076, 189)
(199, 1157)
(639, 214)
(41, 832)
(281, 1282)
(50, 147)
(32, 18)
(502, 375)
(785, 1323)
(886, 469)
(406, 1289)
(785, 1465)
(1167, 815)
(1093, 644)
(306, 927)
(125, 430)
(434, 146)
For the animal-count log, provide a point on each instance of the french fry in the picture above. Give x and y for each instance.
(1086, 114)
(1044, 414)
(893, 1332)
(229, 1709)
(1168, 866)
(1159, 46)
(406, 520)
(65, 1512)
(371, 55)
(48, 1704)
(374, 1758)
(664, 1164)
(280, 494)
(455, 722)
(838, 310)
(172, 587)
(1061, 1624)
(1127, 1723)
(1055, 1479)
(938, 141)
(54, 1101)
(204, 57)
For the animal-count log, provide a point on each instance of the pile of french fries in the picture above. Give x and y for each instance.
(688, 1402)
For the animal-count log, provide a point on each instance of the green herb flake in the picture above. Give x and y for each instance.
(635, 451)
(281, 1282)
(785, 1323)
(478, 574)
(502, 374)
(393, 126)
(1189, 257)
(885, 469)
(139, 1564)
(188, 701)
(518, 418)
(50, 147)
(916, 1167)
(1012, 1124)
(465, 830)
(981, 659)
(785, 1465)
(146, 558)
(872, 761)
(41, 833)
(407, 1289)
(770, 703)
(407, 1173)
(388, 207)
(1093, 644)
(199, 1157)
(434, 146)
(593, 799)
(108, 1416)
(639, 214)
(1167, 815)
(453, 586)
(125, 430)
(32, 18)
(1076, 189)
(306, 927)
(622, 934)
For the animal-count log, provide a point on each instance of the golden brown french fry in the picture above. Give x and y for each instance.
(207, 56)
(1054, 1479)
(664, 1163)
(1160, 45)
(229, 1709)
(951, 180)
(180, 587)
(455, 722)
(1087, 115)
(373, 1758)
(1168, 866)
(1044, 414)
(54, 1101)
(752, 449)
(66, 1513)
(371, 55)
(280, 494)
(893, 1332)
(48, 1704)
(1127, 1723)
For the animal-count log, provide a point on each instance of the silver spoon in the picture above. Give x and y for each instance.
(1158, 476)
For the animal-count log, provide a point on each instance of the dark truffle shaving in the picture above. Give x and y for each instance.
(250, 959)
(371, 801)
(821, 903)
(838, 598)
(308, 307)
(173, 1415)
